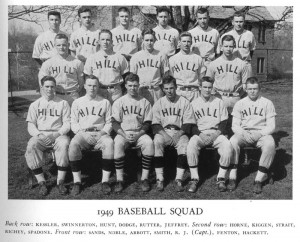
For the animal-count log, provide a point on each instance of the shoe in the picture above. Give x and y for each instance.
(257, 187)
(221, 185)
(193, 184)
(43, 190)
(62, 190)
(179, 187)
(106, 189)
(159, 185)
(231, 186)
(119, 186)
(76, 189)
(145, 185)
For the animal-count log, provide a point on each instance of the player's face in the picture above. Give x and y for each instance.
(206, 89)
(61, 46)
(238, 23)
(149, 41)
(132, 88)
(185, 43)
(54, 22)
(124, 18)
(170, 90)
(105, 41)
(86, 19)
(253, 91)
(163, 18)
(202, 20)
(227, 48)
(91, 86)
(48, 89)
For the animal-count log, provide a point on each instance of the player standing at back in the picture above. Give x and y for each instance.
(150, 65)
(126, 38)
(166, 36)
(85, 40)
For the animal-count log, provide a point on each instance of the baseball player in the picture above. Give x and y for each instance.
(205, 39)
(150, 65)
(253, 123)
(244, 39)
(84, 41)
(44, 44)
(166, 36)
(211, 117)
(91, 124)
(172, 119)
(66, 69)
(187, 68)
(126, 38)
(131, 118)
(108, 67)
(48, 122)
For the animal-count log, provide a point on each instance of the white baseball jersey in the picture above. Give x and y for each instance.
(254, 114)
(108, 68)
(186, 68)
(91, 113)
(132, 113)
(205, 42)
(209, 113)
(245, 42)
(176, 113)
(229, 75)
(150, 67)
(68, 73)
(166, 39)
(126, 41)
(52, 115)
(44, 45)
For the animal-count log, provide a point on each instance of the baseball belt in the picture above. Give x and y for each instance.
(229, 94)
(187, 88)
(63, 93)
(172, 127)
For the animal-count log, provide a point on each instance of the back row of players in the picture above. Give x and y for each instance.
(104, 57)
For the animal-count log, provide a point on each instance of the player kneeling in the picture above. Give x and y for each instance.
(211, 117)
(253, 123)
(91, 123)
(48, 123)
(131, 118)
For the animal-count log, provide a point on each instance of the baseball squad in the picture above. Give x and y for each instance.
(150, 91)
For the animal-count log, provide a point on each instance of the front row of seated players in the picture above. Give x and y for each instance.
(173, 119)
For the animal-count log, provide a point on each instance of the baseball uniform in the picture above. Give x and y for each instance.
(68, 73)
(150, 67)
(109, 70)
(166, 40)
(187, 69)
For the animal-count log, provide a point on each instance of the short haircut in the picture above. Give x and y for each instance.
(228, 37)
(106, 31)
(206, 79)
(91, 77)
(169, 79)
(48, 78)
(84, 9)
(123, 9)
(239, 14)
(131, 77)
(185, 34)
(253, 80)
(61, 36)
(55, 13)
(202, 11)
(162, 9)
(148, 31)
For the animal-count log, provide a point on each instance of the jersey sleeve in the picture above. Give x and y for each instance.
(188, 114)
(252, 43)
(44, 71)
(37, 48)
(156, 113)
(117, 111)
(75, 126)
(236, 112)
(32, 118)
(108, 125)
(133, 64)
(88, 66)
(201, 69)
(148, 112)
(223, 111)
(80, 76)
(72, 45)
(246, 72)
(65, 128)
(270, 110)
(164, 64)
(124, 65)
(210, 70)
(217, 48)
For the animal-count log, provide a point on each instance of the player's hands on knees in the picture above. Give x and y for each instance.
(206, 139)
(176, 138)
(215, 135)
(247, 137)
(46, 140)
(89, 138)
(169, 140)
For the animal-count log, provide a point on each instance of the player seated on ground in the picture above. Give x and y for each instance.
(48, 123)
(253, 123)
(172, 119)
(211, 117)
(91, 124)
(131, 119)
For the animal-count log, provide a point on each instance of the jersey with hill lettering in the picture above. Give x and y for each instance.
(84, 42)
(254, 114)
(68, 72)
(187, 69)
(150, 67)
(205, 42)
(44, 45)
(107, 68)
(229, 75)
(209, 113)
(131, 113)
(126, 41)
(166, 39)
(176, 113)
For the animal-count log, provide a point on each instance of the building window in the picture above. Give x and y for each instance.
(262, 33)
(260, 65)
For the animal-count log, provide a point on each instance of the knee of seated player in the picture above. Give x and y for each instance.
(148, 146)
(33, 144)
(235, 141)
(108, 148)
(193, 143)
(62, 142)
(74, 151)
(268, 144)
